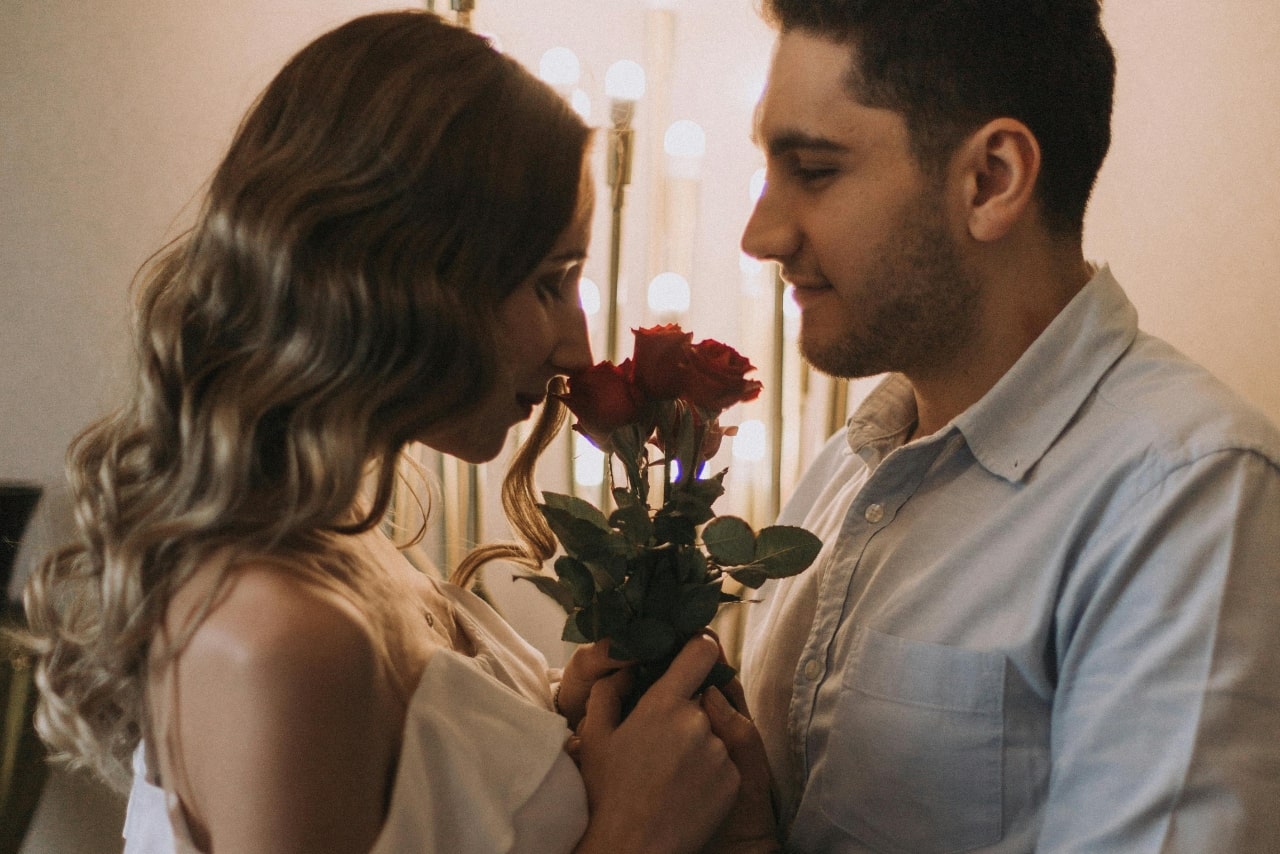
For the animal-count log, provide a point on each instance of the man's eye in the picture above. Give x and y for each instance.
(812, 174)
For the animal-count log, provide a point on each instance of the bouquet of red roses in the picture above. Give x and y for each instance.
(649, 575)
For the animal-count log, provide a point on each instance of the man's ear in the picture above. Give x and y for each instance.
(999, 165)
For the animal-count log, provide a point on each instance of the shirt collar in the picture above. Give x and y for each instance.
(883, 421)
(1012, 426)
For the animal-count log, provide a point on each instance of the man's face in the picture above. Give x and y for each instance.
(858, 228)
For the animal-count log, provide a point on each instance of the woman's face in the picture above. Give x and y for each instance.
(542, 333)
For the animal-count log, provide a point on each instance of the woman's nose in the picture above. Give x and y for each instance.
(573, 351)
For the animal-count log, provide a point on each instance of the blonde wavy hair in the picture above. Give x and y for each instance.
(335, 299)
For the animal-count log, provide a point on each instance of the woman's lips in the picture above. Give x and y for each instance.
(529, 402)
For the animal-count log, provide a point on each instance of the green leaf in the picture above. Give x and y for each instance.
(730, 541)
(706, 489)
(750, 576)
(691, 506)
(580, 537)
(574, 575)
(611, 609)
(698, 606)
(577, 508)
(561, 593)
(572, 633)
(634, 522)
(783, 550)
(643, 640)
(691, 565)
(675, 528)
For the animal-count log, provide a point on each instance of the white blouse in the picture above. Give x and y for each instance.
(482, 767)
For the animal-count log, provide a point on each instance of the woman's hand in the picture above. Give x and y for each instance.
(661, 781)
(589, 664)
(752, 825)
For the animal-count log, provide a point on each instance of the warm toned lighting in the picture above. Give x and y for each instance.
(588, 462)
(581, 103)
(756, 188)
(559, 67)
(790, 308)
(624, 81)
(685, 138)
(669, 294)
(589, 296)
(750, 444)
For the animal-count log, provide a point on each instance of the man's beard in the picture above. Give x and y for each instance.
(919, 304)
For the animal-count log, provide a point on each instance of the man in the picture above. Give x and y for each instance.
(1044, 615)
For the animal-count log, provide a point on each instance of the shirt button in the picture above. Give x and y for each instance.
(874, 513)
(812, 669)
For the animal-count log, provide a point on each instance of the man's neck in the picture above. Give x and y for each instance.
(1019, 303)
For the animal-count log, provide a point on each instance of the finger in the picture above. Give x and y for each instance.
(573, 747)
(604, 708)
(737, 696)
(591, 662)
(588, 664)
(689, 669)
(739, 734)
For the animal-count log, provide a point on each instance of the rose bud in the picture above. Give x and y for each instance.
(603, 398)
(661, 353)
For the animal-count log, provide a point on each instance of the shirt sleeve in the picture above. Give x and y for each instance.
(1166, 718)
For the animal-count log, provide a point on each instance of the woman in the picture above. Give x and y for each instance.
(388, 253)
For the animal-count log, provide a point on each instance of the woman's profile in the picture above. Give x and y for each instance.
(389, 253)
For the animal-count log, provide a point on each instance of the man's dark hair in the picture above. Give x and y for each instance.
(950, 66)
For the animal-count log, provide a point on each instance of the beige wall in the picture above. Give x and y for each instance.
(1187, 208)
(113, 113)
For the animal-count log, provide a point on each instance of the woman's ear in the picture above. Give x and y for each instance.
(999, 166)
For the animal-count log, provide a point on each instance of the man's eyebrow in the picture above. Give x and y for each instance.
(796, 140)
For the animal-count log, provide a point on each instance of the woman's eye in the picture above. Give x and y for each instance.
(551, 287)
(556, 286)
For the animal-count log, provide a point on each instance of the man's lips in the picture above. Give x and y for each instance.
(806, 291)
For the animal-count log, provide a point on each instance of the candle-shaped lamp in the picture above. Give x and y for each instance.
(684, 143)
(463, 9)
(624, 83)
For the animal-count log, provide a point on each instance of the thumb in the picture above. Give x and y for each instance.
(689, 669)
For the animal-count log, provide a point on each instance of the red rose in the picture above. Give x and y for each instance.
(661, 353)
(715, 377)
(604, 398)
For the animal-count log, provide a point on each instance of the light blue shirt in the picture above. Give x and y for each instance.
(1053, 625)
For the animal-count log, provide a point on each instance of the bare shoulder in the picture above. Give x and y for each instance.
(277, 712)
(268, 621)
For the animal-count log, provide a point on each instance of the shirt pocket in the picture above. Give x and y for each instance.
(915, 756)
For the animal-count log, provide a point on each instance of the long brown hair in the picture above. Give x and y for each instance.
(335, 299)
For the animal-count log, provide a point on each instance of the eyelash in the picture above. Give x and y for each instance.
(553, 286)
(812, 174)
